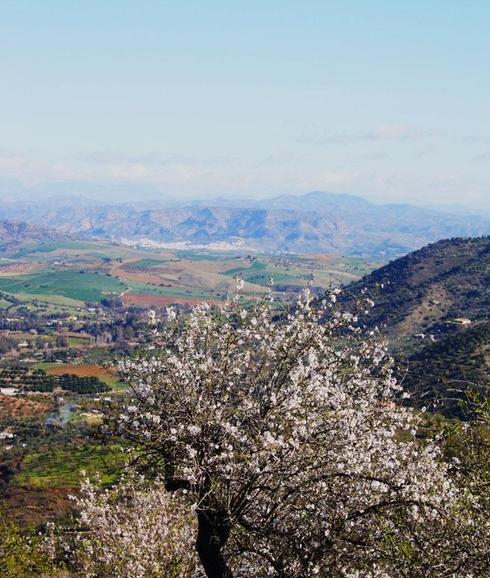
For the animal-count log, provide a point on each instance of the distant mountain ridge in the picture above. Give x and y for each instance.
(315, 222)
(13, 233)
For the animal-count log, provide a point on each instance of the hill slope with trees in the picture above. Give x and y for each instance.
(437, 290)
(440, 374)
(434, 306)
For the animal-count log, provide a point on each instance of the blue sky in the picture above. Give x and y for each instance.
(387, 99)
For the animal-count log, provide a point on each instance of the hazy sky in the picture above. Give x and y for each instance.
(389, 98)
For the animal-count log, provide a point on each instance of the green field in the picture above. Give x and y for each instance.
(62, 467)
(256, 267)
(191, 255)
(147, 289)
(91, 287)
(261, 273)
(148, 263)
(296, 273)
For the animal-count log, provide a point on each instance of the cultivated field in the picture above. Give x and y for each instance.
(105, 375)
(69, 274)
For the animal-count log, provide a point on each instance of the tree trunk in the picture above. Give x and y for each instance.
(213, 532)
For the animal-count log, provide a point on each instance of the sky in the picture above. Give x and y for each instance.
(386, 99)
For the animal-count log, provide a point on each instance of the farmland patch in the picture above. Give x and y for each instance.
(71, 284)
(105, 375)
(142, 299)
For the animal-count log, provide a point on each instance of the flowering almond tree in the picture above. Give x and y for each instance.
(282, 431)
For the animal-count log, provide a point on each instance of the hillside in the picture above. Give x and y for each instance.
(440, 373)
(436, 290)
(13, 233)
(312, 223)
(434, 305)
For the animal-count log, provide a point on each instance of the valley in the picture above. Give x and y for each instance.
(71, 273)
(244, 290)
(70, 309)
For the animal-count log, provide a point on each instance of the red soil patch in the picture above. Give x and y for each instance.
(82, 371)
(161, 300)
(11, 406)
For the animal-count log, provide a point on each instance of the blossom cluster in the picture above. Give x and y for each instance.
(132, 530)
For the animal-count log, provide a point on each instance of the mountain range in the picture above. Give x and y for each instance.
(311, 223)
